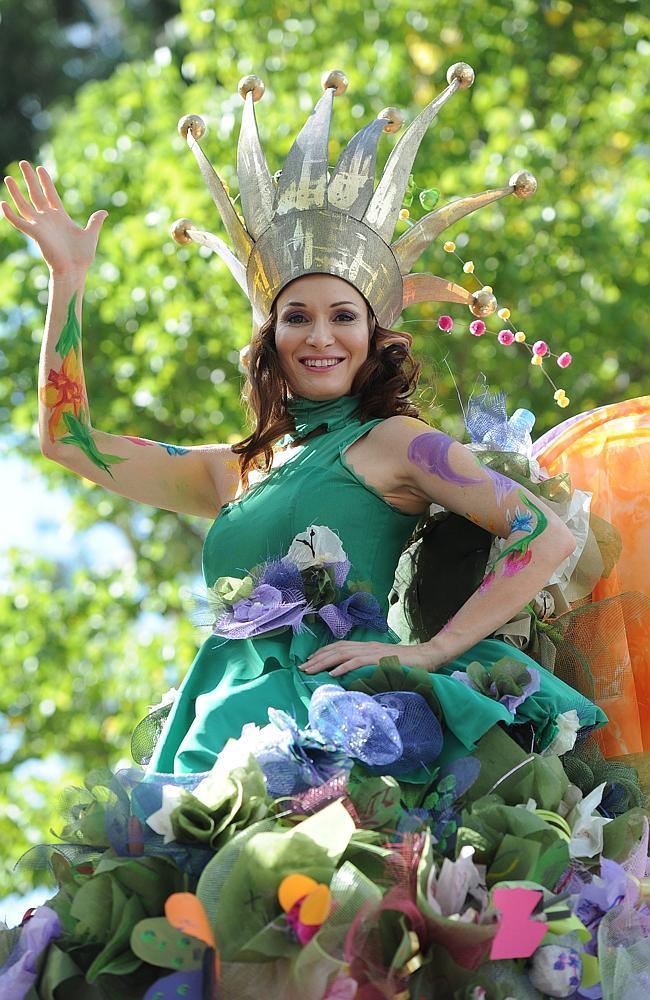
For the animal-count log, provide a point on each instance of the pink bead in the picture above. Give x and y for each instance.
(477, 327)
(564, 360)
(506, 337)
(540, 348)
(446, 324)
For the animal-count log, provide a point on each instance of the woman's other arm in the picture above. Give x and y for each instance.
(432, 466)
(536, 540)
(196, 480)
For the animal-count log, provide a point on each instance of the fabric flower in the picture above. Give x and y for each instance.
(160, 821)
(508, 681)
(601, 895)
(263, 611)
(317, 546)
(230, 589)
(568, 724)
(20, 971)
(587, 829)
(220, 806)
(360, 608)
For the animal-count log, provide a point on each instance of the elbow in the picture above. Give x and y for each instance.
(565, 542)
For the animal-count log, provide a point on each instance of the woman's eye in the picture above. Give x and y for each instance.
(346, 316)
(295, 316)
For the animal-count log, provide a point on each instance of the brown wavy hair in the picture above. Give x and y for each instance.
(384, 382)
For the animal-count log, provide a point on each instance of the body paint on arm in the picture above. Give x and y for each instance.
(517, 556)
(430, 451)
(64, 396)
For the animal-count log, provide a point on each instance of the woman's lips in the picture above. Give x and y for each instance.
(320, 368)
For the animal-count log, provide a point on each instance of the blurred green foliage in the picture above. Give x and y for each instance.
(560, 90)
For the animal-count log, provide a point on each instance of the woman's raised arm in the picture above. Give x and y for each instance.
(195, 480)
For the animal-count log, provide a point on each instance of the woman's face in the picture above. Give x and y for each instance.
(321, 335)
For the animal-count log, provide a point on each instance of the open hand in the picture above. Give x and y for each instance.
(341, 657)
(65, 246)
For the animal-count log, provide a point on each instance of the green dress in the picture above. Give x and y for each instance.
(235, 681)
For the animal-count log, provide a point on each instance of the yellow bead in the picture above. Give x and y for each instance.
(559, 394)
(449, 246)
(536, 360)
(468, 267)
(520, 336)
(404, 214)
(504, 313)
(563, 402)
(488, 288)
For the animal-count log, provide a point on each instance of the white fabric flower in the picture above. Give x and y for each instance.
(236, 753)
(586, 829)
(160, 821)
(168, 698)
(317, 546)
(569, 724)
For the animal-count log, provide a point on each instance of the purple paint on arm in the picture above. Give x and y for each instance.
(430, 452)
(503, 486)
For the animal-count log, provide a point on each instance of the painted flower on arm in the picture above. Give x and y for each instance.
(516, 560)
(63, 393)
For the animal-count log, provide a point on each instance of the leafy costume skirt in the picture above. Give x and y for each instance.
(422, 840)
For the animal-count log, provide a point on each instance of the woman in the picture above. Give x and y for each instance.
(310, 514)
(319, 361)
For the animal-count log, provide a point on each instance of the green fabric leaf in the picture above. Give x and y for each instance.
(376, 799)
(155, 941)
(514, 859)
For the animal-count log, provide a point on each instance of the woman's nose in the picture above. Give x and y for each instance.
(319, 334)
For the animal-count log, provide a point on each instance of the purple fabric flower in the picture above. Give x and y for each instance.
(286, 577)
(509, 701)
(18, 974)
(360, 608)
(262, 600)
(262, 611)
(355, 723)
(599, 896)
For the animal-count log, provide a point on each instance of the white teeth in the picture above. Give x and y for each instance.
(320, 363)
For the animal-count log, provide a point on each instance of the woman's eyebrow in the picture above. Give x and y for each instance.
(346, 302)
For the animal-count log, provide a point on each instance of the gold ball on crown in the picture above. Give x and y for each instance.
(193, 124)
(178, 231)
(462, 72)
(524, 184)
(251, 84)
(336, 79)
(394, 119)
(483, 303)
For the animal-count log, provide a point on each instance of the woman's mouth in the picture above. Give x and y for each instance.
(320, 364)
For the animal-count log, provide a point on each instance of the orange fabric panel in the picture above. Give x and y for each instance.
(607, 452)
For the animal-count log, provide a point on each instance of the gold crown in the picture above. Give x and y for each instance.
(308, 221)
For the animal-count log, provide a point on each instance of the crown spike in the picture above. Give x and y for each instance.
(383, 210)
(255, 183)
(193, 128)
(416, 240)
(430, 288)
(303, 181)
(353, 178)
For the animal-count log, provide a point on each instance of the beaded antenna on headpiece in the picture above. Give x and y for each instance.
(311, 221)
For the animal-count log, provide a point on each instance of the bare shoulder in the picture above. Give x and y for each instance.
(396, 433)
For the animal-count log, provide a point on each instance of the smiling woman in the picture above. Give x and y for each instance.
(312, 756)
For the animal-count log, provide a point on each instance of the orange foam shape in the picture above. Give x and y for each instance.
(293, 888)
(185, 912)
(315, 908)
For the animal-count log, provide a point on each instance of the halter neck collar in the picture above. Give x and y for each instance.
(311, 413)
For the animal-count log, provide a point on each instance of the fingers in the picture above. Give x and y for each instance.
(15, 220)
(19, 200)
(51, 192)
(96, 219)
(33, 186)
